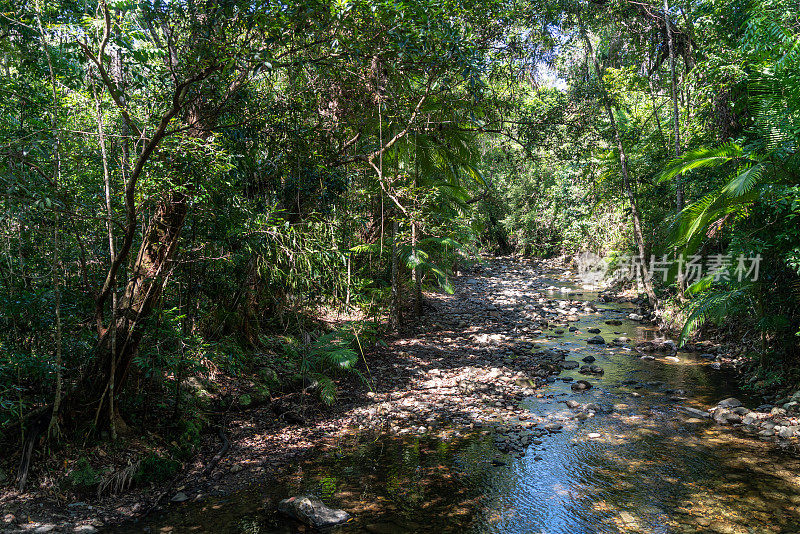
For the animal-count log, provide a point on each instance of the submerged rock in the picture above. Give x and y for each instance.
(312, 511)
(697, 413)
(581, 385)
(596, 340)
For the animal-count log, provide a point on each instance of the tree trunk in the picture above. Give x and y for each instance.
(675, 121)
(394, 320)
(416, 272)
(119, 344)
(623, 161)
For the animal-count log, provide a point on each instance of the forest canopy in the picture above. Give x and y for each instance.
(189, 188)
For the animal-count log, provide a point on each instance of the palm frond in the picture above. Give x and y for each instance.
(743, 183)
(700, 158)
(714, 305)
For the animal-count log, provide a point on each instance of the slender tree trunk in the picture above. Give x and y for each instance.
(679, 188)
(394, 320)
(416, 272)
(52, 426)
(623, 161)
(349, 275)
(679, 200)
(653, 95)
(112, 255)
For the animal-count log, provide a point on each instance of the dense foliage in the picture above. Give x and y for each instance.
(261, 190)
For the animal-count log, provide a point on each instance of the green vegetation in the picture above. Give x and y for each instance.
(261, 191)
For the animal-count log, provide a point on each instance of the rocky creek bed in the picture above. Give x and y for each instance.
(525, 403)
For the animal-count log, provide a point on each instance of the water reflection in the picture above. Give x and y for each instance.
(644, 466)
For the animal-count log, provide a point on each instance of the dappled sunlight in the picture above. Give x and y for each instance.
(501, 454)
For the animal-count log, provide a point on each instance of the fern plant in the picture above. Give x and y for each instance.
(321, 360)
(761, 193)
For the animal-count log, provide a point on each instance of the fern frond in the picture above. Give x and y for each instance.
(715, 305)
(700, 158)
(744, 181)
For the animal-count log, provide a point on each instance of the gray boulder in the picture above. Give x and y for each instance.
(697, 413)
(730, 402)
(596, 340)
(581, 385)
(312, 511)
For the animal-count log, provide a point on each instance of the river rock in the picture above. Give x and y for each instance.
(588, 359)
(593, 407)
(730, 402)
(568, 364)
(788, 431)
(581, 385)
(180, 497)
(593, 330)
(733, 418)
(697, 413)
(312, 511)
(791, 406)
(656, 346)
(596, 340)
(749, 419)
(635, 317)
(719, 416)
(614, 322)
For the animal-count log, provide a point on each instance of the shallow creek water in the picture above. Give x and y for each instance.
(653, 468)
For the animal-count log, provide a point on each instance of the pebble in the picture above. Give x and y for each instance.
(180, 497)
(581, 385)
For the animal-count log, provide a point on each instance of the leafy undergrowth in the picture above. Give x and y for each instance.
(169, 419)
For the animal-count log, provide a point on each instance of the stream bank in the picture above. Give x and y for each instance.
(501, 416)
